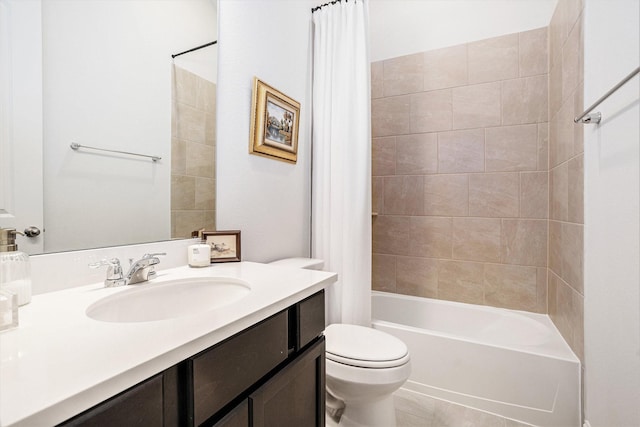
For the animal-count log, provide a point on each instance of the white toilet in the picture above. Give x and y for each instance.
(364, 367)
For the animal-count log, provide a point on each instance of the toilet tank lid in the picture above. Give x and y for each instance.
(308, 263)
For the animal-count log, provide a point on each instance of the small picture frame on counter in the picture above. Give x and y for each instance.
(225, 245)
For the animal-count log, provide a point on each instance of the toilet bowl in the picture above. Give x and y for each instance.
(364, 366)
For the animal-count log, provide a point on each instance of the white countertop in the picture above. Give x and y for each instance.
(59, 362)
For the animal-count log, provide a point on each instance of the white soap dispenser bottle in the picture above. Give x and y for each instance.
(15, 271)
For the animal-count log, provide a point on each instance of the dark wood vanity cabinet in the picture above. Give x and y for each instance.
(271, 374)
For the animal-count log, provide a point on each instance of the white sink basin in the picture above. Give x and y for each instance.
(168, 300)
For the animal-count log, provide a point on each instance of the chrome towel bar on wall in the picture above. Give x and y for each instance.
(76, 146)
(586, 118)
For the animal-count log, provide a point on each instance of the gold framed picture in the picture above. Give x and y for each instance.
(275, 119)
(225, 245)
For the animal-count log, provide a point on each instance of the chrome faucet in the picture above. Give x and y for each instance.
(139, 271)
(142, 270)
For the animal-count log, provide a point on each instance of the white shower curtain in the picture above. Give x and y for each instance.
(341, 178)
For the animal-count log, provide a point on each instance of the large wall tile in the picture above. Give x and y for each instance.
(182, 222)
(206, 95)
(524, 100)
(383, 276)
(403, 195)
(524, 242)
(178, 157)
(511, 286)
(391, 116)
(391, 235)
(210, 127)
(383, 154)
(189, 124)
(555, 89)
(533, 52)
(431, 111)
(543, 146)
(576, 190)
(559, 193)
(417, 276)
(445, 67)
(493, 59)
(377, 194)
(572, 250)
(461, 281)
(461, 151)
(578, 128)
(543, 289)
(568, 314)
(200, 160)
(183, 192)
(446, 195)
(571, 74)
(417, 154)
(512, 148)
(534, 195)
(554, 260)
(185, 89)
(494, 195)
(403, 75)
(430, 237)
(205, 193)
(377, 79)
(557, 34)
(476, 239)
(477, 106)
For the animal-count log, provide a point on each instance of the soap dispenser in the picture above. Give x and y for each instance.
(14, 267)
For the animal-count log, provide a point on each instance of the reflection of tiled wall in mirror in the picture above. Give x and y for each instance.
(193, 140)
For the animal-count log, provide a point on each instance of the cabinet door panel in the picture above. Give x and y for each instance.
(295, 396)
(238, 417)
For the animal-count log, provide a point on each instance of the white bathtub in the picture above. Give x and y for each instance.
(511, 363)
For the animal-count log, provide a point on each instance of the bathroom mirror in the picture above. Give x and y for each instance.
(101, 75)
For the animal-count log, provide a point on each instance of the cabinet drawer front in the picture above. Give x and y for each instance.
(310, 318)
(140, 406)
(228, 369)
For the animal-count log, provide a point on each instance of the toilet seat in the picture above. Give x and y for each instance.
(363, 347)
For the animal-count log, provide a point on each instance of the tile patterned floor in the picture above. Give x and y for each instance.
(416, 410)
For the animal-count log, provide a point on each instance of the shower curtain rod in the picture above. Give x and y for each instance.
(314, 9)
(195, 48)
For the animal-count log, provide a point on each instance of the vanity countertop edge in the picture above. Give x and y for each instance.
(59, 362)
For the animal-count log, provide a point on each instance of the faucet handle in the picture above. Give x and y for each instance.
(114, 271)
(145, 256)
(152, 272)
(111, 262)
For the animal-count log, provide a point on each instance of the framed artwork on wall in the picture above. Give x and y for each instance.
(275, 119)
(225, 245)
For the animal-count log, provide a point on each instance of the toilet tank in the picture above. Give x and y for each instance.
(308, 263)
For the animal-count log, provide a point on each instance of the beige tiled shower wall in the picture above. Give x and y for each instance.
(193, 124)
(566, 182)
(460, 172)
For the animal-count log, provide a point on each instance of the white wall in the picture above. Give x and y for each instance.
(268, 200)
(107, 83)
(612, 216)
(402, 27)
